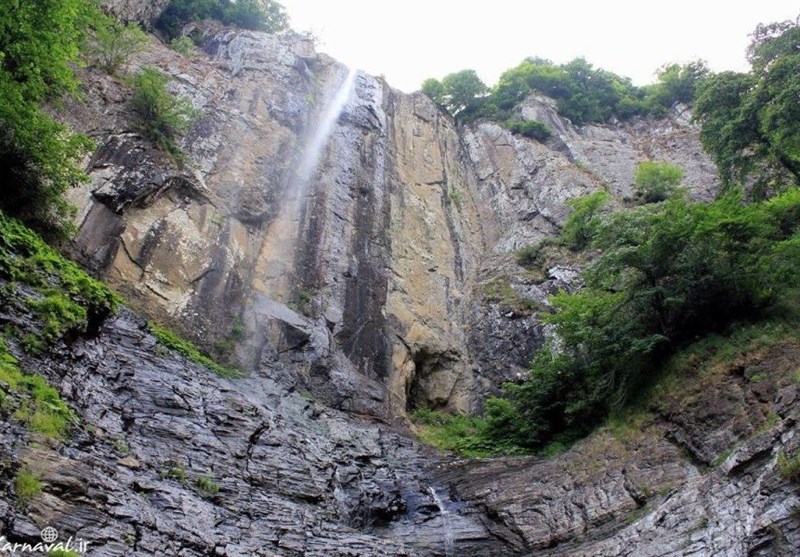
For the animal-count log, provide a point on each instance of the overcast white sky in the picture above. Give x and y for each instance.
(410, 40)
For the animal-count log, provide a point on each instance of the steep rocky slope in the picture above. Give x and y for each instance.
(382, 281)
(385, 251)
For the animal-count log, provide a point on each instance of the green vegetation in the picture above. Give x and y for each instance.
(456, 197)
(39, 159)
(789, 467)
(159, 115)
(190, 351)
(462, 435)
(206, 485)
(533, 130)
(461, 93)
(583, 94)
(657, 181)
(500, 291)
(59, 314)
(667, 274)
(749, 120)
(174, 472)
(63, 553)
(581, 227)
(27, 485)
(113, 43)
(256, 15)
(40, 406)
(71, 298)
(184, 46)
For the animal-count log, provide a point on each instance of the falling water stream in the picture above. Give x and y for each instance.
(316, 142)
(445, 515)
(277, 254)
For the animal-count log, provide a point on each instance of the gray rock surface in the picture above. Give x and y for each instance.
(295, 477)
(143, 11)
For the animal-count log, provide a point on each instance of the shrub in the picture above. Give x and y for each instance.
(657, 181)
(174, 473)
(27, 485)
(184, 46)
(257, 15)
(531, 129)
(114, 43)
(206, 485)
(789, 467)
(159, 115)
(581, 225)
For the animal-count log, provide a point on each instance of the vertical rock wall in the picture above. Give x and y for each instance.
(383, 257)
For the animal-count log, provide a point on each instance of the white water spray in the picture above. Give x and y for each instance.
(315, 144)
(445, 515)
(276, 263)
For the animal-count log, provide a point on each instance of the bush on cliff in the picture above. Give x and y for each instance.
(256, 15)
(667, 273)
(159, 115)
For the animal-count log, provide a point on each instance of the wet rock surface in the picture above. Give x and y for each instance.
(169, 459)
(294, 477)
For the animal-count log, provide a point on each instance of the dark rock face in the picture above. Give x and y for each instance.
(294, 477)
(169, 459)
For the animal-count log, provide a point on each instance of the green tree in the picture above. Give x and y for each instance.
(39, 159)
(258, 15)
(159, 115)
(434, 89)
(666, 273)
(657, 181)
(114, 43)
(461, 93)
(749, 120)
(676, 84)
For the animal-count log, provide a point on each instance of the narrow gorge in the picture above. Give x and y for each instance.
(352, 249)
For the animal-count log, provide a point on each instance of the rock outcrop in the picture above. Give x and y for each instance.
(384, 252)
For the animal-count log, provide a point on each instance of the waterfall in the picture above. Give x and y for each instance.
(316, 142)
(445, 516)
(282, 236)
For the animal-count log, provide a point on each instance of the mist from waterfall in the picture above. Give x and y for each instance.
(316, 143)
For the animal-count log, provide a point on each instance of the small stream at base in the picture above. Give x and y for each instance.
(445, 515)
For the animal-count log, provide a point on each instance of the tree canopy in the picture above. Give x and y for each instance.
(256, 15)
(583, 93)
(749, 120)
(39, 46)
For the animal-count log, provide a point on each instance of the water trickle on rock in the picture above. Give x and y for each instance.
(445, 515)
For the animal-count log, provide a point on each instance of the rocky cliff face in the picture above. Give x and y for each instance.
(384, 252)
(380, 279)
